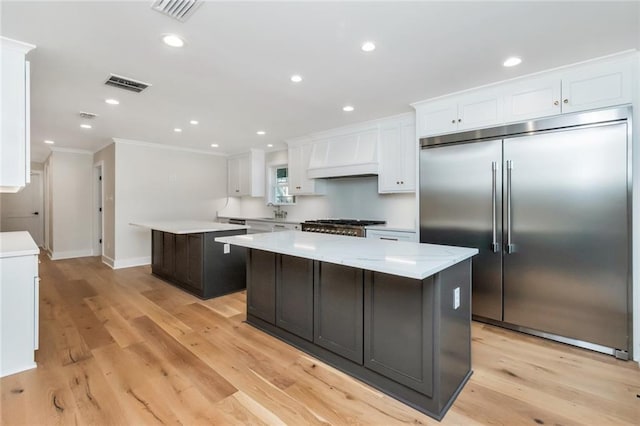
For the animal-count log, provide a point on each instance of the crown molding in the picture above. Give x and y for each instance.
(162, 146)
(71, 150)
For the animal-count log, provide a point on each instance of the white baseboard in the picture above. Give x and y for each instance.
(58, 255)
(107, 261)
(132, 261)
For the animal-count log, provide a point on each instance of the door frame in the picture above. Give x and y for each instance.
(98, 216)
(41, 198)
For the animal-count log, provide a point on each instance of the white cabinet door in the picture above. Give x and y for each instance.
(533, 98)
(439, 117)
(480, 110)
(299, 183)
(597, 86)
(233, 175)
(408, 160)
(397, 157)
(246, 174)
(14, 138)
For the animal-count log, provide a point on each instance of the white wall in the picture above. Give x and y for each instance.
(351, 198)
(69, 174)
(155, 182)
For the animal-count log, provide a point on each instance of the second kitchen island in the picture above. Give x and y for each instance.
(396, 315)
(186, 254)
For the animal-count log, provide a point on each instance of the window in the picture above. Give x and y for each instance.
(280, 186)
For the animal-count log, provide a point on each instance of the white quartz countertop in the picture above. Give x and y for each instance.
(188, 226)
(291, 220)
(13, 244)
(406, 259)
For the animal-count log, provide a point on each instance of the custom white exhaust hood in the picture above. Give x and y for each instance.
(347, 154)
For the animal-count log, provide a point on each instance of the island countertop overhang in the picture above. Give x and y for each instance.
(188, 226)
(406, 259)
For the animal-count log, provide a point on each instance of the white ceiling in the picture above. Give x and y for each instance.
(233, 72)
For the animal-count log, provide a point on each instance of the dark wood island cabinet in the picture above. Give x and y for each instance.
(409, 336)
(186, 255)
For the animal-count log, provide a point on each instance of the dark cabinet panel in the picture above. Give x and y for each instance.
(194, 260)
(398, 329)
(261, 285)
(338, 299)
(181, 258)
(168, 254)
(294, 293)
(157, 244)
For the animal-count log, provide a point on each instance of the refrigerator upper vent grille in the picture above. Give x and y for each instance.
(126, 83)
(176, 9)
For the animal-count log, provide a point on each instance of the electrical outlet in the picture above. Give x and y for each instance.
(456, 298)
(227, 248)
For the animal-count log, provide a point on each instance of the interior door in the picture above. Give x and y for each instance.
(568, 270)
(24, 210)
(460, 196)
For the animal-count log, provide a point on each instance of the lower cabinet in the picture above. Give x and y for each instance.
(294, 295)
(197, 263)
(261, 285)
(338, 310)
(409, 338)
(397, 335)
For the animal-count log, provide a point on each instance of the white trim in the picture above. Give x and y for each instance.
(130, 262)
(162, 146)
(107, 261)
(97, 216)
(103, 147)
(9, 43)
(59, 255)
(25, 367)
(71, 150)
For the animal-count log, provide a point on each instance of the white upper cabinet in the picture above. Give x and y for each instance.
(597, 86)
(437, 117)
(299, 183)
(594, 85)
(397, 156)
(246, 173)
(15, 161)
(532, 98)
(480, 109)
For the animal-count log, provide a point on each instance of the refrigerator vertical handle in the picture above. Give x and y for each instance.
(510, 247)
(494, 217)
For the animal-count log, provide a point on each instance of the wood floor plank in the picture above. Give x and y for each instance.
(123, 347)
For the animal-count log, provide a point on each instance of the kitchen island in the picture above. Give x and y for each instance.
(396, 315)
(186, 254)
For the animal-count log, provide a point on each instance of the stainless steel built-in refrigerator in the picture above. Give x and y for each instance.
(548, 204)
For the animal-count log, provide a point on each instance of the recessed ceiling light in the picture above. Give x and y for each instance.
(112, 101)
(368, 46)
(85, 126)
(512, 61)
(261, 132)
(296, 78)
(347, 108)
(214, 145)
(47, 141)
(269, 145)
(177, 130)
(194, 122)
(172, 40)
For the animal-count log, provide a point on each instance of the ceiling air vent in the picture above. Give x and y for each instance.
(126, 83)
(176, 9)
(87, 115)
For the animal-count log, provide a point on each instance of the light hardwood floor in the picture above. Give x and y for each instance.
(123, 347)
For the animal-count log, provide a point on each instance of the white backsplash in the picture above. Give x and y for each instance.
(351, 198)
